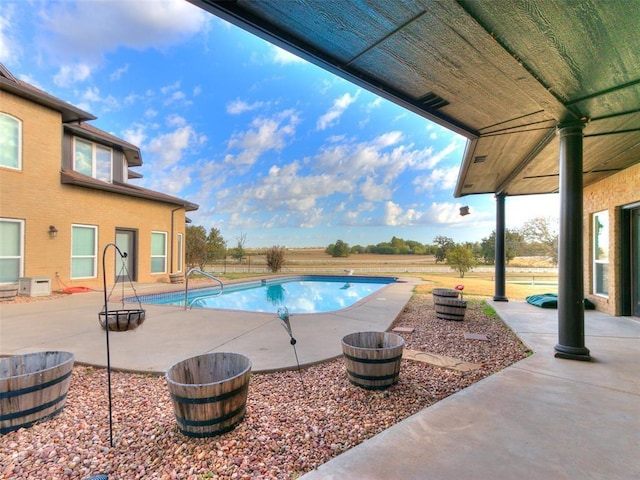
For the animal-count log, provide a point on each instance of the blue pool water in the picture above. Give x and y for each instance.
(300, 294)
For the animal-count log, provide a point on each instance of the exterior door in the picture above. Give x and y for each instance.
(126, 268)
(635, 261)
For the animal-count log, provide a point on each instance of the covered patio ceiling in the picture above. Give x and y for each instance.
(503, 73)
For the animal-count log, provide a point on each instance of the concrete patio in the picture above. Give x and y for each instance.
(540, 418)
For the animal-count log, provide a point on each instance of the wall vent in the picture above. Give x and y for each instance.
(433, 101)
(480, 159)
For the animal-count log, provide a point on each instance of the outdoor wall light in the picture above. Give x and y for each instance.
(464, 210)
(53, 231)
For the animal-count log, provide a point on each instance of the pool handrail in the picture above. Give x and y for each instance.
(186, 285)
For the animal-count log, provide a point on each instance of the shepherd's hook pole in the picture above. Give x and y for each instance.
(106, 328)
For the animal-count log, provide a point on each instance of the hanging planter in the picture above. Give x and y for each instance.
(122, 320)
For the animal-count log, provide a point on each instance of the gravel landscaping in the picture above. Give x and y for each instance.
(294, 422)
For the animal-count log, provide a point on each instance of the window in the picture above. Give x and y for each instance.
(601, 253)
(11, 250)
(10, 142)
(84, 245)
(158, 252)
(92, 160)
(180, 252)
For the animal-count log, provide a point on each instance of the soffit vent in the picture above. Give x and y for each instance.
(468, 185)
(480, 159)
(433, 101)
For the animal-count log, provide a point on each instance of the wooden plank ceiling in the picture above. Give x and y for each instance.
(503, 73)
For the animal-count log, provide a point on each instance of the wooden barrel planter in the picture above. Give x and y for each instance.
(33, 388)
(8, 291)
(121, 320)
(450, 308)
(209, 392)
(373, 359)
(444, 293)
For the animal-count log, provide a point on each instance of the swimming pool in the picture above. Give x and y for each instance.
(300, 294)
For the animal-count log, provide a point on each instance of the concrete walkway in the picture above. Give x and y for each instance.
(170, 334)
(542, 418)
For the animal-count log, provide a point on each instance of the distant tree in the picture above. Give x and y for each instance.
(338, 249)
(239, 252)
(276, 258)
(461, 258)
(358, 249)
(216, 246)
(195, 246)
(444, 244)
(512, 247)
(544, 232)
(416, 248)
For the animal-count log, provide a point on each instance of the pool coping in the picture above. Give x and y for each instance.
(171, 334)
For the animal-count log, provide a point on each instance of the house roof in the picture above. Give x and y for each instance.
(69, 113)
(71, 177)
(504, 74)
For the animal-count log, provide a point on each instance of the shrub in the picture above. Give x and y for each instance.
(275, 258)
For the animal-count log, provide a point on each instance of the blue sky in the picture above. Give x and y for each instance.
(269, 146)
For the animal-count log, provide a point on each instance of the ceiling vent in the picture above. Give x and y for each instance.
(433, 101)
(480, 159)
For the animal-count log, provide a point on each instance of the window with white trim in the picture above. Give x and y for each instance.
(11, 250)
(601, 253)
(10, 142)
(92, 160)
(180, 252)
(158, 252)
(84, 248)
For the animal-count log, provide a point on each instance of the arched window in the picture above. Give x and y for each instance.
(10, 142)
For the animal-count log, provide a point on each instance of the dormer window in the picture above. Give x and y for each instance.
(92, 160)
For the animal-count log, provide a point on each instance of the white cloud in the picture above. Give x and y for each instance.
(71, 74)
(135, 135)
(85, 29)
(238, 106)
(395, 215)
(444, 213)
(117, 74)
(283, 57)
(10, 48)
(175, 120)
(167, 149)
(265, 134)
(338, 108)
(437, 179)
(374, 192)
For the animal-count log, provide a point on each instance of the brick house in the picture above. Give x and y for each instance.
(611, 221)
(65, 195)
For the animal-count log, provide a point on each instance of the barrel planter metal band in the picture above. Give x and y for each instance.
(209, 393)
(33, 388)
(373, 359)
